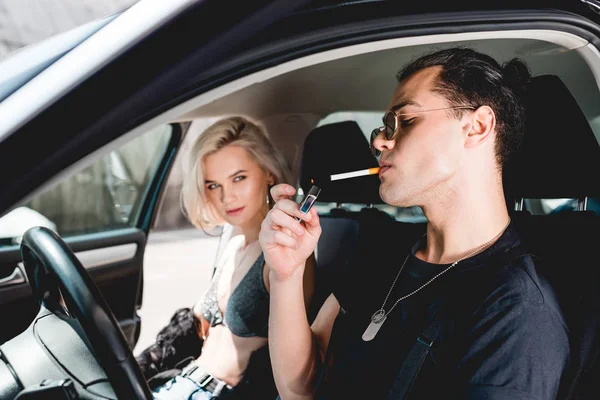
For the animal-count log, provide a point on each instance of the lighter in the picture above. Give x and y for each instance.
(309, 200)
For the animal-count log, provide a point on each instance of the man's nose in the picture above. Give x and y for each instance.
(382, 144)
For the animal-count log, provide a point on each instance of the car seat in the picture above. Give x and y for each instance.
(560, 158)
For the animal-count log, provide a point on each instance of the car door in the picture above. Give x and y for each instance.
(103, 212)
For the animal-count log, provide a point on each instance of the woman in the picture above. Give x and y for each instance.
(231, 169)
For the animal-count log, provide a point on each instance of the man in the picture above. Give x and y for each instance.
(453, 121)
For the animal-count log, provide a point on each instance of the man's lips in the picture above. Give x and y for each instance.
(235, 211)
(384, 167)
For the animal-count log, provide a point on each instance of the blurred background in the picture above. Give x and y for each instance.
(23, 22)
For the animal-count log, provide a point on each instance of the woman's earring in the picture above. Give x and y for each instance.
(269, 186)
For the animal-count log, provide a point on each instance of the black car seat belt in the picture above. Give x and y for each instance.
(416, 357)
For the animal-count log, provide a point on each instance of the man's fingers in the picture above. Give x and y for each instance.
(312, 223)
(281, 194)
(282, 191)
(280, 219)
(284, 230)
(272, 237)
(313, 217)
(290, 208)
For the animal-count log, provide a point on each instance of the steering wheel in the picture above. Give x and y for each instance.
(58, 280)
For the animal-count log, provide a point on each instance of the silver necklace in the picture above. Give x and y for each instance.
(379, 316)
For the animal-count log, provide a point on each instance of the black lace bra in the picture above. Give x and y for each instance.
(247, 311)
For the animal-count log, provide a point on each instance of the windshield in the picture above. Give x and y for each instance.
(33, 39)
(28, 22)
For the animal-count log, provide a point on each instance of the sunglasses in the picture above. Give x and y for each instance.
(391, 123)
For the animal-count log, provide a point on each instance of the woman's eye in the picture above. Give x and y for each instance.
(239, 178)
(212, 186)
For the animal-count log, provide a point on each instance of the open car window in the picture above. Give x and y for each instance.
(366, 120)
(104, 196)
(555, 206)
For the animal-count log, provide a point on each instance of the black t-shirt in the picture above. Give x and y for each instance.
(504, 335)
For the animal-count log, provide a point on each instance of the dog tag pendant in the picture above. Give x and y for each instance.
(377, 320)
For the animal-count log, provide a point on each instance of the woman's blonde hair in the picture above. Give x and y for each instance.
(237, 131)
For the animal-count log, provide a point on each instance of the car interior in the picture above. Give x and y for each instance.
(317, 109)
(555, 162)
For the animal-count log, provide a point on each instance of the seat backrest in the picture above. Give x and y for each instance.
(337, 148)
(560, 158)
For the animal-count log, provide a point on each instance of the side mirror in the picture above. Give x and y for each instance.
(121, 185)
(17, 221)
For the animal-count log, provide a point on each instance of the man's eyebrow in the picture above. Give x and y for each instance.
(207, 181)
(404, 104)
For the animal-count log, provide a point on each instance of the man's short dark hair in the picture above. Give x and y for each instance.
(472, 78)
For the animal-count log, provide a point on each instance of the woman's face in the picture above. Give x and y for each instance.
(237, 186)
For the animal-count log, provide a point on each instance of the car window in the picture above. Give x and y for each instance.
(104, 196)
(555, 206)
(366, 120)
(404, 214)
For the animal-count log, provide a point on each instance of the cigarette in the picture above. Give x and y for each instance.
(354, 174)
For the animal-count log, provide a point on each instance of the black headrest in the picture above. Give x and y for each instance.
(559, 156)
(337, 148)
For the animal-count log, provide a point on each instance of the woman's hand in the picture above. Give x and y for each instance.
(287, 243)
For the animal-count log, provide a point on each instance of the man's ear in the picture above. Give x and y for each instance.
(483, 124)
